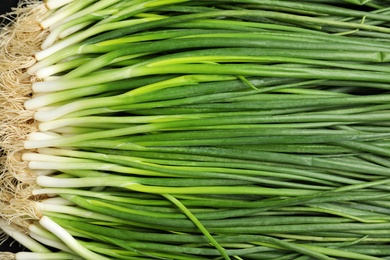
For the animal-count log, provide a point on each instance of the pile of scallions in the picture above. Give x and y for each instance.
(195, 130)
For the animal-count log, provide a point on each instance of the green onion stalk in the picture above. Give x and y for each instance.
(184, 130)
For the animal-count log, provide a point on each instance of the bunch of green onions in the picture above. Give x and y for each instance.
(223, 129)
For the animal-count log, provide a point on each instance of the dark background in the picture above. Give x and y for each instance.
(5, 5)
(8, 245)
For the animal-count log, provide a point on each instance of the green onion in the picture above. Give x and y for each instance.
(184, 130)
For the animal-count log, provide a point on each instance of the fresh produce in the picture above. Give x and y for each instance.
(177, 129)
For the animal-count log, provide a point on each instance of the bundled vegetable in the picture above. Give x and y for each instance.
(177, 129)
